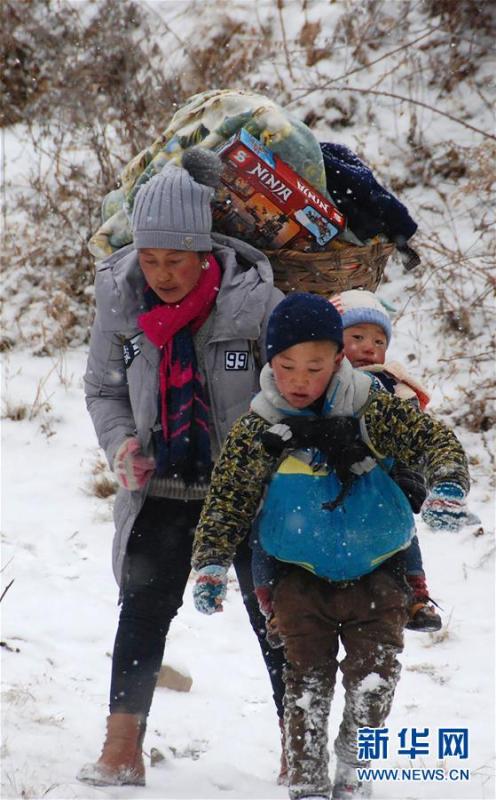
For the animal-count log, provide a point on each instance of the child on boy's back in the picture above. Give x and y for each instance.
(366, 336)
(340, 538)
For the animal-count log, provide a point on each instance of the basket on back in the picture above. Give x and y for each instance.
(210, 120)
(331, 271)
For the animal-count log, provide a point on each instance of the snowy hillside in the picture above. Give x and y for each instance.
(342, 67)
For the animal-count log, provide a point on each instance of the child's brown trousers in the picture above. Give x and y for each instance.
(313, 615)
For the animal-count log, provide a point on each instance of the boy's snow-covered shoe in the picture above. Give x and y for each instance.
(121, 761)
(346, 784)
(351, 791)
(423, 616)
(272, 636)
(264, 598)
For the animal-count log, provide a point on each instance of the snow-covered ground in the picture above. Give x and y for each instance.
(221, 740)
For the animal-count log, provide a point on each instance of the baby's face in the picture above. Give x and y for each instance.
(365, 344)
(303, 372)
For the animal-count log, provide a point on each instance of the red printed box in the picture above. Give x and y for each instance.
(265, 202)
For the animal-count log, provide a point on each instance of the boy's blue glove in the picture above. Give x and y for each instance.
(210, 589)
(445, 508)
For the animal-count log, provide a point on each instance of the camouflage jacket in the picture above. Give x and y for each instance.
(244, 469)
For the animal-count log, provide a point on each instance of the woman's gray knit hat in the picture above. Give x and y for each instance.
(172, 210)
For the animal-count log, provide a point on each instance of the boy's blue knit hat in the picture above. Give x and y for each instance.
(361, 307)
(303, 317)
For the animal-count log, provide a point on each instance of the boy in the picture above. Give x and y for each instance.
(366, 336)
(339, 538)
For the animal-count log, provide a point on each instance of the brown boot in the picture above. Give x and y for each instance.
(121, 761)
(282, 778)
(423, 616)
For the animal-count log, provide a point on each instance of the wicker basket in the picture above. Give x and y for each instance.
(332, 271)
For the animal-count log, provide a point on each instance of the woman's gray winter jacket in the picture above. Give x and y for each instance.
(121, 380)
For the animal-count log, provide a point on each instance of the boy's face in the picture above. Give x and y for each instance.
(365, 344)
(172, 274)
(303, 372)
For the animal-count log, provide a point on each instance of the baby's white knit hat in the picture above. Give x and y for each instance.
(360, 307)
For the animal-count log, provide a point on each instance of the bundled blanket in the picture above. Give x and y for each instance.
(209, 119)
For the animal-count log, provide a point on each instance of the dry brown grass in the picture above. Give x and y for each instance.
(102, 483)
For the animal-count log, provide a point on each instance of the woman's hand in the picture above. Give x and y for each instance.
(132, 469)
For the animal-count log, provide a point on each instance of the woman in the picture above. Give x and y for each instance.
(175, 354)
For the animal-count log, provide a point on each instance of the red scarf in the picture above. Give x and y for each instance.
(177, 375)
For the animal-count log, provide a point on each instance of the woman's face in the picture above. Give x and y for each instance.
(172, 274)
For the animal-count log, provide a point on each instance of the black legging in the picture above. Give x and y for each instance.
(156, 570)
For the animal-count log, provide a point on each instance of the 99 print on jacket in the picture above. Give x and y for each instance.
(233, 359)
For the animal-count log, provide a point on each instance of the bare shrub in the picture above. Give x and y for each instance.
(102, 486)
(102, 483)
(18, 410)
(463, 15)
(93, 91)
(480, 413)
(227, 56)
(14, 411)
(95, 84)
(80, 68)
(307, 39)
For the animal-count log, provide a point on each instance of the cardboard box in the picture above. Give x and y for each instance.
(265, 202)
